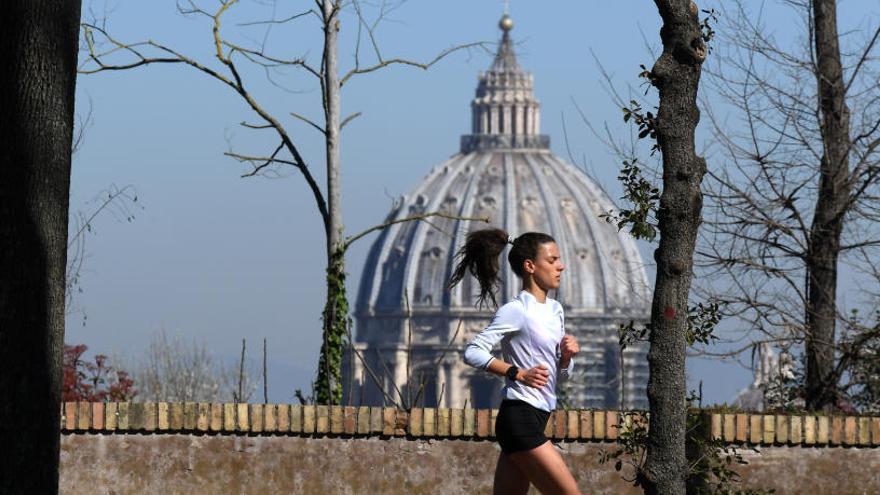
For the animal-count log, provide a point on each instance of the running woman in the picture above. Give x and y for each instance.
(536, 355)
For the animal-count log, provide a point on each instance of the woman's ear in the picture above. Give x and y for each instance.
(529, 266)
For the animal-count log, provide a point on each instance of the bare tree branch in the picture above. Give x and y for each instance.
(348, 119)
(235, 82)
(401, 61)
(351, 239)
(310, 122)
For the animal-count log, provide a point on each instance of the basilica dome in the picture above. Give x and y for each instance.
(411, 328)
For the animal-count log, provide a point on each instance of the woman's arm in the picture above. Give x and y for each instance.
(478, 353)
(534, 377)
(568, 347)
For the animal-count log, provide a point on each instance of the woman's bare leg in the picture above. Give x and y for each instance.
(546, 470)
(509, 479)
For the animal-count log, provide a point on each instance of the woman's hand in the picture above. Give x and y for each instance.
(535, 377)
(567, 349)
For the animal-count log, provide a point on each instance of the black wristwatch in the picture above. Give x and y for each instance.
(511, 373)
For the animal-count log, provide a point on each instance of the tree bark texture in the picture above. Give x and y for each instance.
(328, 386)
(676, 74)
(38, 40)
(831, 206)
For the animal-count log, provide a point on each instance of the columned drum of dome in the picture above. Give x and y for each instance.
(410, 331)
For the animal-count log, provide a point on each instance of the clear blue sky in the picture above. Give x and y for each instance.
(219, 258)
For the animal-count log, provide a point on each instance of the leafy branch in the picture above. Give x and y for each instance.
(708, 32)
(644, 197)
(701, 319)
(646, 121)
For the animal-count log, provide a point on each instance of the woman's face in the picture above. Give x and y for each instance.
(546, 268)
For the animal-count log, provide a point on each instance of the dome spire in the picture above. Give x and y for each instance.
(505, 59)
(505, 113)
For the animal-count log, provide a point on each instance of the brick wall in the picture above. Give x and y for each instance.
(169, 448)
(571, 425)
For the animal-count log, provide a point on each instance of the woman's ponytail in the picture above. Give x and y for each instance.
(479, 256)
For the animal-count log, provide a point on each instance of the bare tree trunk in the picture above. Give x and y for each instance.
(38, 39)
(831, 205)
(328, 386)
(676, 74)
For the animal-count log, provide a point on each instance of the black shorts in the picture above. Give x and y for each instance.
(520, 426)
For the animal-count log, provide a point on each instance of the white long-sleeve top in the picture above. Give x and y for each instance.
(530, 333)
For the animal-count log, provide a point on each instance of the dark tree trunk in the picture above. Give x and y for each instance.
(676, 74)
(38, 40)
(831, 205)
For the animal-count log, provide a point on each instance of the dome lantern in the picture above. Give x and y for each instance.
(505, 113)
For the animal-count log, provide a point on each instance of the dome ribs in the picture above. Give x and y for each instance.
(421, 230)
(637, 282)
(457, 295)
(554, 221)
(591, 295)
(378, 281)
(511, 287)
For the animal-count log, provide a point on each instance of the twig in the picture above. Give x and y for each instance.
(279, 21)
(241, 373)
(265, 375)
(348, 119)
(310, 122)
(424, 216)
(402, 61)
(408, 348)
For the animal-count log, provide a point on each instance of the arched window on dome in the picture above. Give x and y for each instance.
(430, 283)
